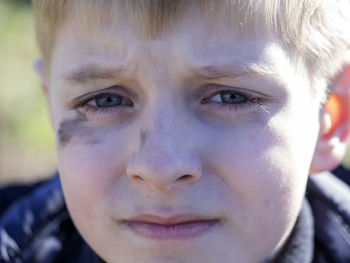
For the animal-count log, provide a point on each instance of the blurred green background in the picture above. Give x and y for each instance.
(27, 150)
(26, 138)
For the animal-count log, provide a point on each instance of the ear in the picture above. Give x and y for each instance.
(335, 128)
(40, 71)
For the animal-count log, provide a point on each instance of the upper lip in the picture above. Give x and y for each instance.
(172, 220)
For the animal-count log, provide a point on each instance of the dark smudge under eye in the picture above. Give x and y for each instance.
(67, 129)
(143, 135)
(73, 128)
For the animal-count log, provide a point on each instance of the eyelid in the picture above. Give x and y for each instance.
(114, 90)
(213, 89)
(255, 100)
(217, 89)
(229, 90)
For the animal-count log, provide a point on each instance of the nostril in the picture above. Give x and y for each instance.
(184, 177)
(137, 178)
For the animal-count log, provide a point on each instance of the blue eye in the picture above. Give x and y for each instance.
(228, 97)
(105, 101)
(232, 97)
(108, 103)
(234, 100)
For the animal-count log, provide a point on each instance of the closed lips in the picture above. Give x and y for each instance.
(172, 228)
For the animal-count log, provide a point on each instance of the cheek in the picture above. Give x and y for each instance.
(89, 171)
(264, 177)
(254, 168)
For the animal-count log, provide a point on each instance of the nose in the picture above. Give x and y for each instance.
(165, 159)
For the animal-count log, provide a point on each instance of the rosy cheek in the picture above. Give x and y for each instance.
(85, 179)
(93, 157)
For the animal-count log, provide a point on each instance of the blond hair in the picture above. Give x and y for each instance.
(318, 30)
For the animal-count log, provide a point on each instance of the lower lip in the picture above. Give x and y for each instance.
(171, 232)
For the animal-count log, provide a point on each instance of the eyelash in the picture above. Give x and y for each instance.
(92, 110)
(250, 100)
(83, 104)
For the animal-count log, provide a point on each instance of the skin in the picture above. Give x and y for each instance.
(178, 148)
(68, 129)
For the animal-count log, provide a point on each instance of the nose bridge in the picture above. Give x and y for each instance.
(162, 127)
(160, 142)
(165, 157)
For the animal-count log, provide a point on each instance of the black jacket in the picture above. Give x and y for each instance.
(35, 225)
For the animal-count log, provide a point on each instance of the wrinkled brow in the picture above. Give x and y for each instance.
(219, 72)
(93, 72)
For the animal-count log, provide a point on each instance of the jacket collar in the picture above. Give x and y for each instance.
(300, 245)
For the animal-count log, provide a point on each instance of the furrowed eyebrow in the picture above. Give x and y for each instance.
(92, 72)
(218, 72)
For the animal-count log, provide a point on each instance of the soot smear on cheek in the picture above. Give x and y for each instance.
(75, 128)
(143, 136)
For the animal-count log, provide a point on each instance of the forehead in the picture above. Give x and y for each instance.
(194, 42)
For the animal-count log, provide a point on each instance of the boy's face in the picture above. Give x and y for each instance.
(197, 125)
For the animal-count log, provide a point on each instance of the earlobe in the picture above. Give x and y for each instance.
(335, 128)
(40, 71)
